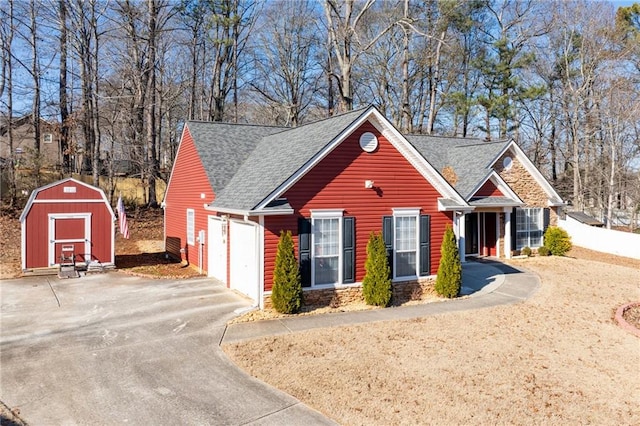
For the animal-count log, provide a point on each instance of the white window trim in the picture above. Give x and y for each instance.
(326, 214)
(406, 212)
(541, 221)
(191, 230)
(47, 138)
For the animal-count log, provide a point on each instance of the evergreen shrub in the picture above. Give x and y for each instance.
(557, 240)
(543, 251)
(286, 293)
(376, 285)
(526, 251)
(449, 279)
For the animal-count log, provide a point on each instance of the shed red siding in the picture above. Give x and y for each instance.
(188, 181)
(57, 201)
(488, 189)
(337, 182)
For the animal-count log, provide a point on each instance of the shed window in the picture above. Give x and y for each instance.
(529, 227)
(191, 227)
(47, 138)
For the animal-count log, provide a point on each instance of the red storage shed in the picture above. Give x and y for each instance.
(67, 217)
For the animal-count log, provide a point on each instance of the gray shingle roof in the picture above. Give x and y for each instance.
(223, 147)
(245, 164)
(470, 159)
(277, 157)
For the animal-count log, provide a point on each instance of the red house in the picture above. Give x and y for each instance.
(234, 187)
(67, 217)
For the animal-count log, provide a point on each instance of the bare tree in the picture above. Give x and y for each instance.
(287, 78)
(343, 25)
(7, 29)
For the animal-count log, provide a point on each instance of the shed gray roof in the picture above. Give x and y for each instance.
(470, 159)
(585, 218)
(277, 157)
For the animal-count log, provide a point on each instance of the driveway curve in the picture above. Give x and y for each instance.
(112, 349)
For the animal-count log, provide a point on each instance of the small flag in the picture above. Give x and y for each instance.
(122, 219)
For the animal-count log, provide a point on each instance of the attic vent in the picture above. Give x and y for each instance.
(368, 142)
(507, 163)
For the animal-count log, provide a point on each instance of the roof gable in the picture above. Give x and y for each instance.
(278, 158)
(554, 198)
(37, 191)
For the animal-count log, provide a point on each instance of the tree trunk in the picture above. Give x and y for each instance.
(35, 72)
(62, 91)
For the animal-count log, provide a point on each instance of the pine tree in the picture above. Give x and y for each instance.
(376, 285)
(286, 294)
(449, 279)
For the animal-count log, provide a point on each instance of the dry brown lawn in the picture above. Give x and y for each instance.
(557, 358)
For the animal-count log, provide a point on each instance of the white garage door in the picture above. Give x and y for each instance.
(217, 249)
(244, 259)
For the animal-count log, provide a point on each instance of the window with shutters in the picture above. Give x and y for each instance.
(405, 242)
(326, 250)
(529, 227)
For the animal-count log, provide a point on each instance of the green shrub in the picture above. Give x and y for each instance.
(286, 293)
(526, 251)
(376, 285)
(543, 251)
(449, 279)
(557, 241)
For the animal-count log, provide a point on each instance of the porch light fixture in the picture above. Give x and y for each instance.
(368, 184)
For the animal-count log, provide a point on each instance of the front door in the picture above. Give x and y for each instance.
(69, 237)
(489, 234)
(471, 234)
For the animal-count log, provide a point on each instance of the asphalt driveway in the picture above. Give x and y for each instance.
(114, 349)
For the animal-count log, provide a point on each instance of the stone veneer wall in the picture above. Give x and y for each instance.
(523, 184)
(335, 297)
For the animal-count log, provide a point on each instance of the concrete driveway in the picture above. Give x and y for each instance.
(114, 349)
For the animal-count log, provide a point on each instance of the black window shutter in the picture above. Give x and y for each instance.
(348, 250)
(425, 252)
(546, 217)
(387, 235)
(514, 227)
(304, 250)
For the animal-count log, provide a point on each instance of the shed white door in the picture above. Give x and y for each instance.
(69, 236)
(244, 259)
(217, 249)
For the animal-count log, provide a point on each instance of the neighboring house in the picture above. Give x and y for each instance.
(234, 188)
(585, 219)
(24, 138)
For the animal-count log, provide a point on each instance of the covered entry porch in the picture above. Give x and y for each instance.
(485, 232)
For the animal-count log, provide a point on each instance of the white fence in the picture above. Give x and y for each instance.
(601, 239)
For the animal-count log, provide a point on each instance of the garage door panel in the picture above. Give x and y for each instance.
(217, 251)
(244, 259)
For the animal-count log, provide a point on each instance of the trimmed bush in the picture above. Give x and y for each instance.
(526, 251)
(449, 279)
(543, 251)
(376, 285)
(557, 241)
(286, 293)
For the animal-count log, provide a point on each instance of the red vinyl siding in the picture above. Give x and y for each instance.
(36, 226)
(489, 189)
(188, 181)
(337, 182)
